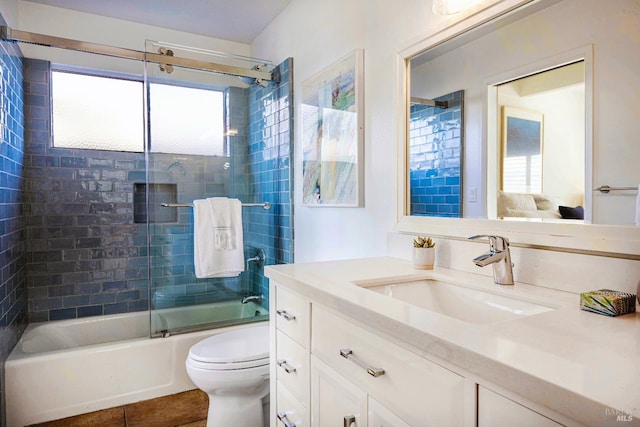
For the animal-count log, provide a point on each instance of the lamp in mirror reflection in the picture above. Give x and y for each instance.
(450, 7)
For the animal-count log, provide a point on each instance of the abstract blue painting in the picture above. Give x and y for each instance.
(332, 135)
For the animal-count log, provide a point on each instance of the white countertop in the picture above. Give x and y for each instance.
(580, 364)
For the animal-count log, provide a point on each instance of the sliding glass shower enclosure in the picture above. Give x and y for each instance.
(214, 135)
(109, 227)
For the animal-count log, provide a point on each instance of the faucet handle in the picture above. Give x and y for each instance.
(480, 236)
(496, 242)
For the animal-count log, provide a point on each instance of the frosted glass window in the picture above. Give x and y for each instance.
(98, 113)
(186, 120)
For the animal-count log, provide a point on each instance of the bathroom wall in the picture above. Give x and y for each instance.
(13, 292)
(318, 34)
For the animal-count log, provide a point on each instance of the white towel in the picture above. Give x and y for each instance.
(217, 237)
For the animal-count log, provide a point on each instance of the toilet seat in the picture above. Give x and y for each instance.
(240, 349)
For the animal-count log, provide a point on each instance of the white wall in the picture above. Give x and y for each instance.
(315, 34)
(9, 10)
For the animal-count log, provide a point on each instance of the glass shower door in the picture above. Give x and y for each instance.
(197, 148)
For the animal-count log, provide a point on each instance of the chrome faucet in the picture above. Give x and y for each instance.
(498, 255)
(250, 298)
(259, 259)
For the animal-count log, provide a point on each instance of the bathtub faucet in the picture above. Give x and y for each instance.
(250, 298)
(498, 255)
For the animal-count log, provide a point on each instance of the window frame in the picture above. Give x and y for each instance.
(145, 87)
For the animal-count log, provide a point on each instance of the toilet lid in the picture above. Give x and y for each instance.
(242, 345)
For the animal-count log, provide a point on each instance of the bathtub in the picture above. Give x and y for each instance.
(70, 367)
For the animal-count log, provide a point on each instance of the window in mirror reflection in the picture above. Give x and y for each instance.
(521, 150)
(435, 155)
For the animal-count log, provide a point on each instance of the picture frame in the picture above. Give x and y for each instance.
(522, 134)
(333, 134)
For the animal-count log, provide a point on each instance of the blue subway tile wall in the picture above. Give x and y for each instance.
(172, 273)
(270, 171)
(435, 157)
(85, 254)
(13, 289)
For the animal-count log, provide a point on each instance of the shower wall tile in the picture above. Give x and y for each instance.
(172, 272)
(80, 234)
(82, 240)
(270, 174)
(85, 254)
(435, 156)
(13, 292)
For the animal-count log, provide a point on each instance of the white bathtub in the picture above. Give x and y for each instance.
(69, 367)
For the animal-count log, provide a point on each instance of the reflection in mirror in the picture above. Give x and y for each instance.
(542, 144)
(583, 147)
(435, 155)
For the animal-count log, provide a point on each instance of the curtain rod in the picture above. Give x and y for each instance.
(18, 36)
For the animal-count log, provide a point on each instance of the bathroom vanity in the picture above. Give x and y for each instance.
(374, 342)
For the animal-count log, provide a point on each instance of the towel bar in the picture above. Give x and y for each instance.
(265, 205)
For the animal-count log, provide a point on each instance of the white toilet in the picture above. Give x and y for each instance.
(233, 369)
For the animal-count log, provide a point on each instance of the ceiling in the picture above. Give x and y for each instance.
(236, 20)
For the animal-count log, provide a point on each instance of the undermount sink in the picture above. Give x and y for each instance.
(462, 303)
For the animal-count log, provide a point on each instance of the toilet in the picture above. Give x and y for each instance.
(233, 369)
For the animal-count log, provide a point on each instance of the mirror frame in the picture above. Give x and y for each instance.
(601, 240)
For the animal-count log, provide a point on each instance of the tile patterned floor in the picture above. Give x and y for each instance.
(188, 409)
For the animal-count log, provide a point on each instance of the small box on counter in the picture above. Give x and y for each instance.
(608, 302)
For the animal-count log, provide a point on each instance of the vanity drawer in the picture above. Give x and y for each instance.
(292, 367)
(292, 315)
(287, 405)
(419, 391)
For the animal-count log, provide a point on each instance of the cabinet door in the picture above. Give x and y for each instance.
(379, 416)
(292, 367)
(496, 410)
(421, 392)
(289, 411)
(334, 400)
(292, 315)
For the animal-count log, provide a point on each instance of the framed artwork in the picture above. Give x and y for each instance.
(522, 142)
(332, 134)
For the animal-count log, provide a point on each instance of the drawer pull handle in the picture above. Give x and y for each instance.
(284, 365)
(282, 416)
(349, 420)
(286, 315)
(348, 354)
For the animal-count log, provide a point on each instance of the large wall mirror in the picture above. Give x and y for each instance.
(546, 109)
